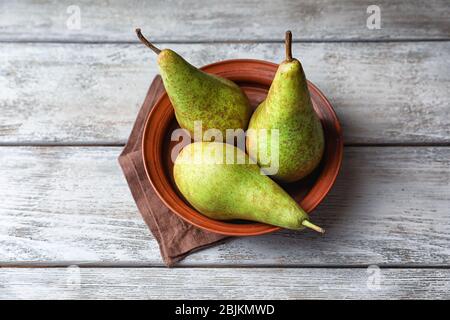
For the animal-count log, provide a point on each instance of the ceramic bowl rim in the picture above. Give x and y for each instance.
(228, 228)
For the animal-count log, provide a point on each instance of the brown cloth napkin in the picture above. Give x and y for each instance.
(176, 238)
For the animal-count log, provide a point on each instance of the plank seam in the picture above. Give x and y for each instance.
(224, 266)
(259, 41)
(121, 145)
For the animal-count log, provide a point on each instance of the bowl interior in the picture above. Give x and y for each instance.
(254, 77)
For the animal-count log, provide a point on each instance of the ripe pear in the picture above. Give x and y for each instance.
(198, 96)
(222, 182)
(289, 109)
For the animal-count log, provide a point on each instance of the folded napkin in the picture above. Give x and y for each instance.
(176, 238)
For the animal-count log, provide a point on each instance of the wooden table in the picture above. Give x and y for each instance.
(68, 98)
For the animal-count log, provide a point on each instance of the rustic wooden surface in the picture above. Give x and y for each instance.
(223, 283)
(378, 212)
(68, 99)
(382, 92)
(216, 20)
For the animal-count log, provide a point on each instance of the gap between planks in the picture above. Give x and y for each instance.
(259, 41)
(122, 144)
(56, 265)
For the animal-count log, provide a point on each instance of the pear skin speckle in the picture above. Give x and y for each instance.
(225, 191)
(289, 109)
(199, 96)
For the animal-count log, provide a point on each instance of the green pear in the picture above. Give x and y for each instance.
(198, 96)
(287, 108)
(222, 182)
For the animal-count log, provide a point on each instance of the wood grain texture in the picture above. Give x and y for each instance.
(223, 283)
(71, 205)
(90, 93)
(215, 20)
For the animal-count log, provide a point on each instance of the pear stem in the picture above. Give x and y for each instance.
(310, 225)
(288, 45)
(146, 42)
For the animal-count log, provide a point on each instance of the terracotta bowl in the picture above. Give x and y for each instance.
(254, 77)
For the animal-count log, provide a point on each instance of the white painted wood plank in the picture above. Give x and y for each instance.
(71, 205)
(79, 93)
(206, 20)
(222, 283)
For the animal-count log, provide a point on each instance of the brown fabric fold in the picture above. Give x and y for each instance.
(176, 238)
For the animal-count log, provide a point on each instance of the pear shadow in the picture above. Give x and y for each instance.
(335, 211)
